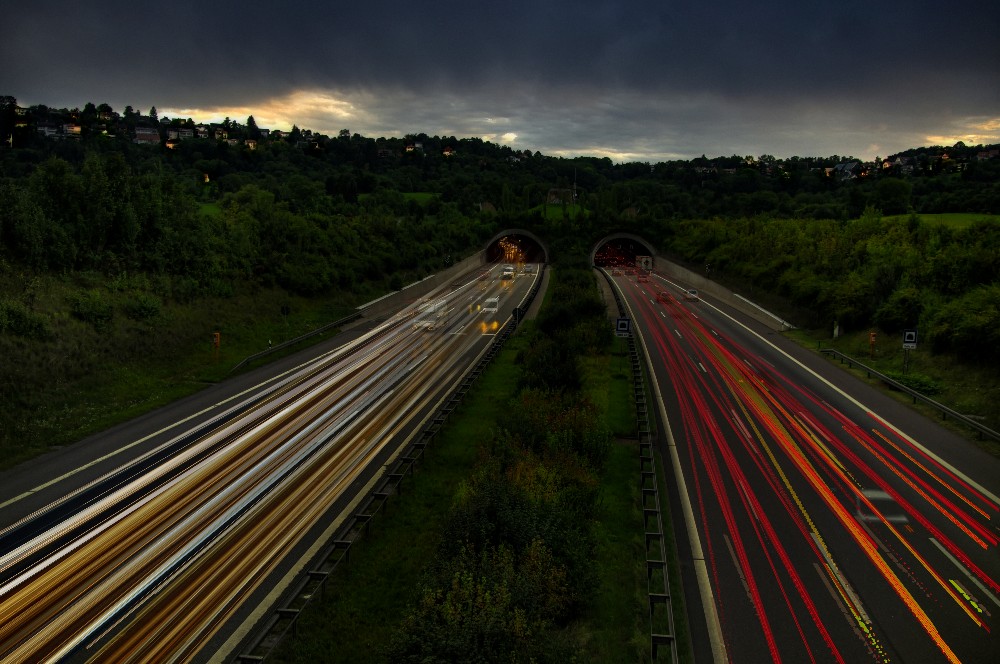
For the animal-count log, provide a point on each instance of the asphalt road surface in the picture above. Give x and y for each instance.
(820, 521)
(163, 538)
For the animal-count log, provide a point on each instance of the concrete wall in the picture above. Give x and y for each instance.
(690, 279)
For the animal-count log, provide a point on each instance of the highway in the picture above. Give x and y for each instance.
(812, 527)
(149, 561)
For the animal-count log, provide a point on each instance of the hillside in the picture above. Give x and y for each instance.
(119, 259)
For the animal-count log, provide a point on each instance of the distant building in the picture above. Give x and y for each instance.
(147, 136)
(180, 133)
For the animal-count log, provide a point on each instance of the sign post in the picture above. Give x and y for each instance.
(909, 343)
(623, 327)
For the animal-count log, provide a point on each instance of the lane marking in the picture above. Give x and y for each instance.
(865, 409)
(960, 566)
(714, 626)
(125, 448)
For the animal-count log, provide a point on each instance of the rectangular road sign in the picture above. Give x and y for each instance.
(623, 327)
(909, 339)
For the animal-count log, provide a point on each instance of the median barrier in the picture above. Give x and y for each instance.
(662, 634)
(281, 620)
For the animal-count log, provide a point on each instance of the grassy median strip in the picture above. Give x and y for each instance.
(369, 596)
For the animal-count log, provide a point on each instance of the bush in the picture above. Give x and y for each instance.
(17, 319)
(142, 306)
(493, 605)
(915, 381)
(92, 307)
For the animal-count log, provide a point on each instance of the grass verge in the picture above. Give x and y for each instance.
(970, 390)
(369, 596)
(82, 376)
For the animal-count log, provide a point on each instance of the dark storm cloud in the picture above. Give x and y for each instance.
(639, 77)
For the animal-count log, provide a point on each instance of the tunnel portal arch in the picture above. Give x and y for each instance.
(622, 249)
(515, 245)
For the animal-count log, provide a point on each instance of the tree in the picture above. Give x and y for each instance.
(8, 109)
(153, 115)
(893, 195)
(252, 130)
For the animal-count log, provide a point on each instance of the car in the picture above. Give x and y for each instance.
(691, 294)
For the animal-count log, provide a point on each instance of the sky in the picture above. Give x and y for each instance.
(632, 80)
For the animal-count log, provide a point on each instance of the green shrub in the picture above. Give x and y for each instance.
(142, 306)
(186, 289)
(915, 381)
(17, 319)
(92, 307)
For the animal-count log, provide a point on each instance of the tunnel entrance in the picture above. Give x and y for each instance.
(623, 251)
(515, 246)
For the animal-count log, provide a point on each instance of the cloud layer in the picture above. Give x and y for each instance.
(641, 80)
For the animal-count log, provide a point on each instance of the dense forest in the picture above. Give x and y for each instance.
(111, 224)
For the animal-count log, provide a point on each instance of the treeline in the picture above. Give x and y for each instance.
(888, 273)
(270, 225)
(341, 214)
(473, 174)
(118, 261)
(515, 564)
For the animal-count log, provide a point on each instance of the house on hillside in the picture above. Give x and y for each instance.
(147, 136)
(180, 133)
(47, 129)
(846, 170)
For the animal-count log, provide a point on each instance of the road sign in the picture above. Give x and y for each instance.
(909, 339)
(623, 328)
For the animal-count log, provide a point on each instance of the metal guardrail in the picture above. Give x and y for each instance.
(285, 344)
(946, 412)
(662, 632)
(312, 583)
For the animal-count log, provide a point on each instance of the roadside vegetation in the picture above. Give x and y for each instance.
(119, 261)
(522, 540)
(940, 277)
(538, 555)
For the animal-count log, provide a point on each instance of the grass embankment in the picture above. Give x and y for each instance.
(971, 390)
(372, 594)
(102, 350)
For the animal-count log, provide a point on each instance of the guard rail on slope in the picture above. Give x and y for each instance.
(291, 342)
(946, 412)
